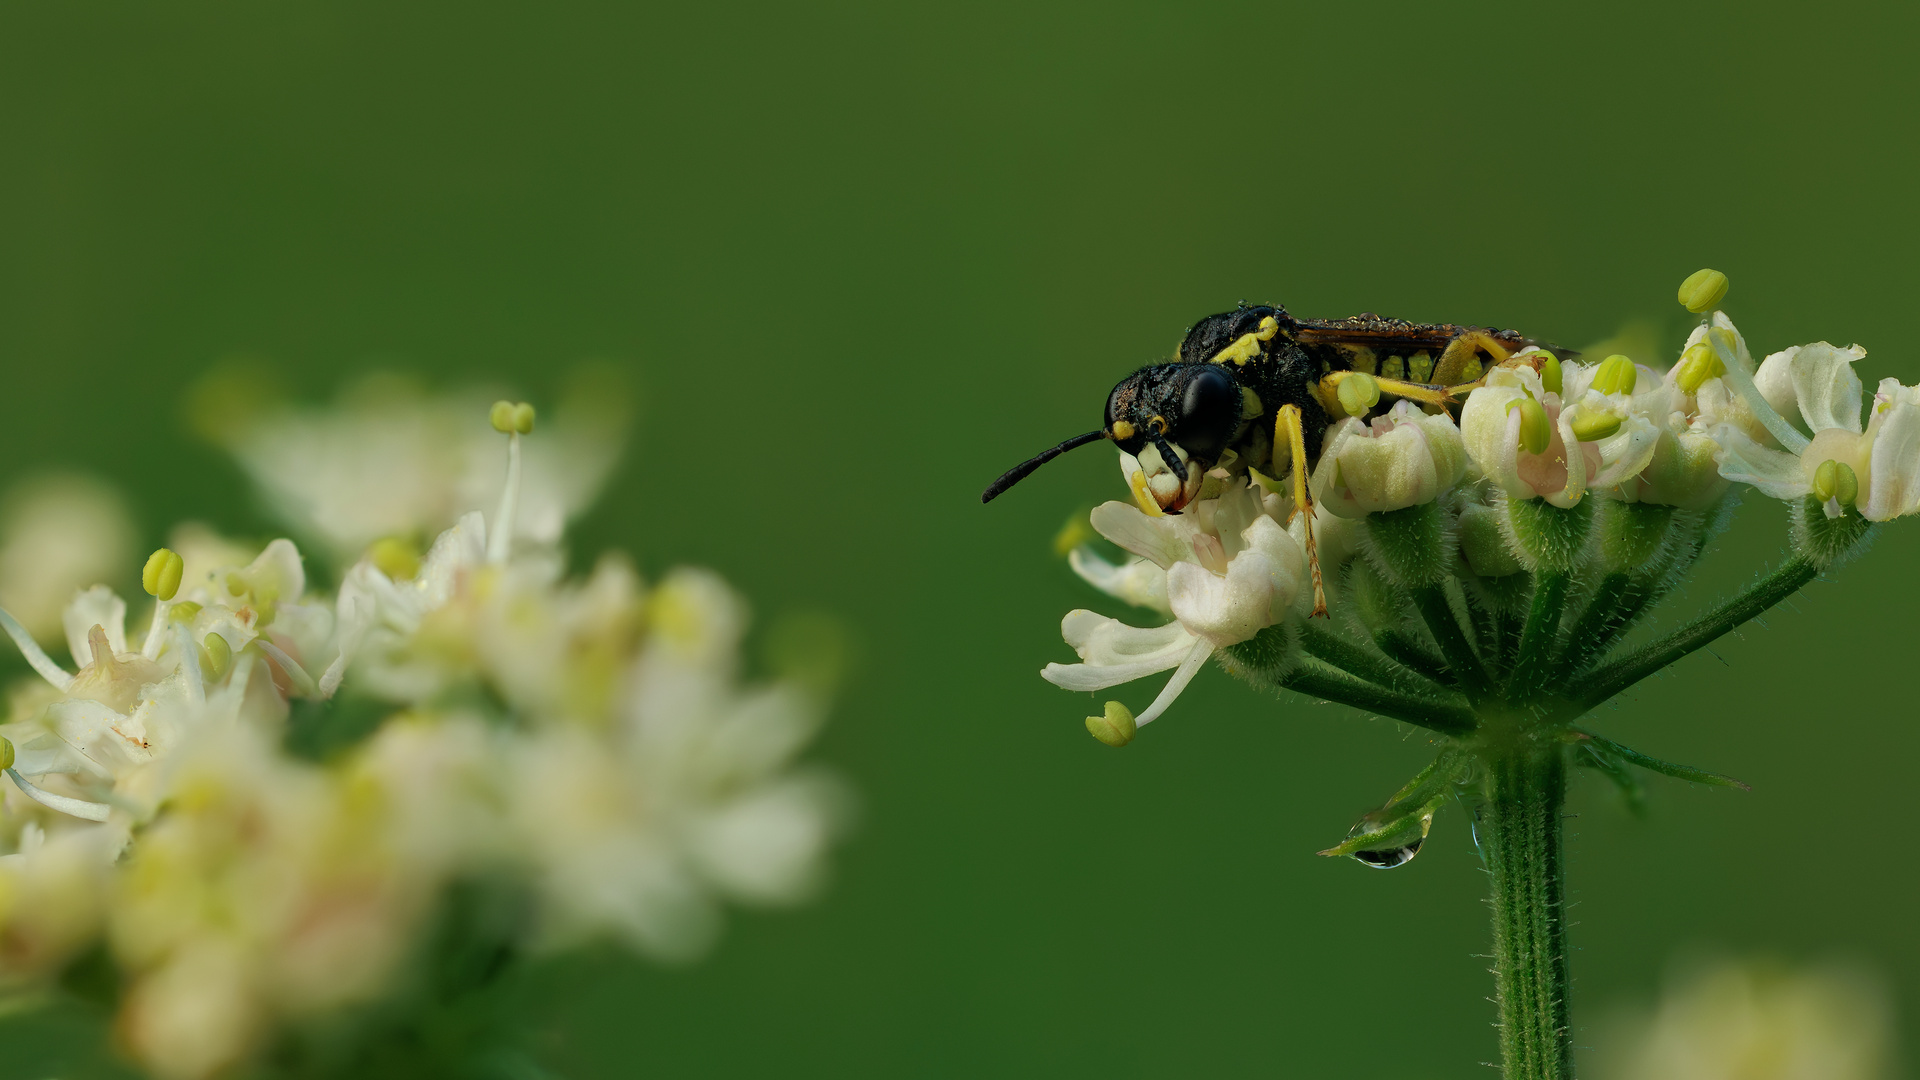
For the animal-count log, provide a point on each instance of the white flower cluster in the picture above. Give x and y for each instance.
(589, 739)
(1536, 427)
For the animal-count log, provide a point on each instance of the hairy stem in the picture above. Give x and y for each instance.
(1590, 634)
(1356, 660)
(1612, 678)
(1434, 714)
(1432, 603)
(1531, 668)
(1520, 836)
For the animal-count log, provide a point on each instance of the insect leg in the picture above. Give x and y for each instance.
(1328, 391)
(1460, 363)
(1287, 426)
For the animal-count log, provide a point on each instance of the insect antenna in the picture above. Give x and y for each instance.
(1019, 472)
(1172, 459)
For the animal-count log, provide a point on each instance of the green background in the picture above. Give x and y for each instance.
(862, 258)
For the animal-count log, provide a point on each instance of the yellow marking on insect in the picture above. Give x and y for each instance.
(1241, 351)
(1420, 367)
(1158, 423)
(1393, 367)
(1250, 406)
(1361, 359)
(1142, 497)
(1122, 430)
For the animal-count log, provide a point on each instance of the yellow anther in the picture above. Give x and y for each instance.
(395, 557)
(6, 753)
(1835, 480)
(1617, 375)
(1116, 727)
(1358, 392)
(1536, 434)
(1550, 375)
(216, 656)
(1122, 430)
(184, 611)
(501, 416)
(161, 576)
(1696, 366)
(1593, 427)
(523, 418)
(1703, 290)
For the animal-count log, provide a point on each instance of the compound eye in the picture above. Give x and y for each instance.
(1209, 412)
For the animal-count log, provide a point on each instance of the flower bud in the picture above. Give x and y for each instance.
(1616, 375)
(6, 753)
(1116, 728)
(161, 576)
(1835, 480)
(1550, 375)
(1358, 392)
(1696, 366)
(1536, 433)
(1594, 426)
(1703, 290)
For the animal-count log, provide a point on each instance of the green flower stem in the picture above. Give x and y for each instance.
(1358, 661)
(1520, 837)
(1403, 648)
(1590, 635)
(1533, 667)
(1435, 714)
(1511, 627)
(1432, 603)
(1612, 678)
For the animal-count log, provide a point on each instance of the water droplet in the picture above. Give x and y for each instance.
(1388, 858)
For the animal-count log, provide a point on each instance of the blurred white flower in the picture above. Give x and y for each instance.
(59, 533)
(1758, 1021)
(392, 462)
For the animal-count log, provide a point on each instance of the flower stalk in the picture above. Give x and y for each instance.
(1520, 836)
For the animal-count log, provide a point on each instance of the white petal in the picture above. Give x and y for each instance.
(1164, 541)
(1137, 581)
(1224, 610)
(1115, 652)
(1893, 487)
(89, 608)
(1825, 387)
(1745, 461)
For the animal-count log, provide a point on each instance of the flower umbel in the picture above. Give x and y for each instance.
(1481, 575)
(583, 751)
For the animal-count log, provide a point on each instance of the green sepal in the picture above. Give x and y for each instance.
(1825, 541)
(1406, 818)
(1631, 535)
(1266, 658)
(1547, 536)
(1631, 756)
(1411, 544)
